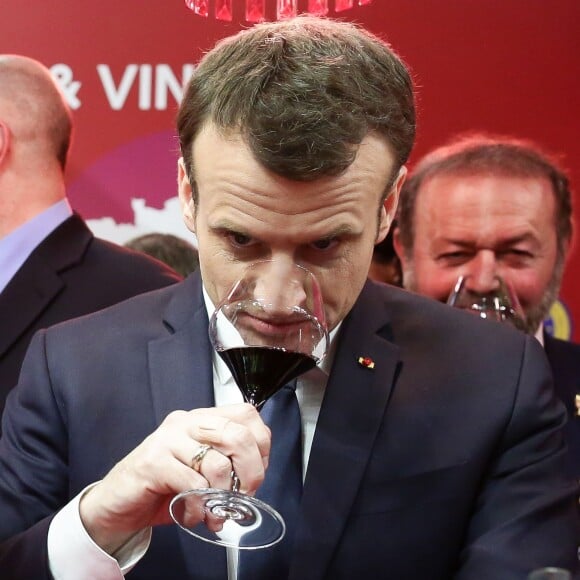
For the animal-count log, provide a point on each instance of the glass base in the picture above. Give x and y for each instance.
(227, 518)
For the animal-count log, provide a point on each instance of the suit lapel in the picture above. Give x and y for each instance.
(38, 281)
(180, 363)
(350, 418)
(180, 368)
(563, 358)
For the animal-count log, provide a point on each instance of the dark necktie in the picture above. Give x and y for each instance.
(282, 487)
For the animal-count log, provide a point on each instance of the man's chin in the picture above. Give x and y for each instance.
(534, 318)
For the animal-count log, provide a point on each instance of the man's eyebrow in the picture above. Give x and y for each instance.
(523, 238)
(502, 242)
(341, 230)
(462, 243)
(226, 225)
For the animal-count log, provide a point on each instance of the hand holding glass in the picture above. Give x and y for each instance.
(269, 329)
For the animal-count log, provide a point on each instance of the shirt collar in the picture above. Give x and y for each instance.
(21, 242)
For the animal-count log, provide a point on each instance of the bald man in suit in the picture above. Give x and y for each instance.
(52, 268)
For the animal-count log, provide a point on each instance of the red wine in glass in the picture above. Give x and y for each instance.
(260, 372)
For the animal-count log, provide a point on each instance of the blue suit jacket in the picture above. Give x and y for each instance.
(445, 460)
(564, 358)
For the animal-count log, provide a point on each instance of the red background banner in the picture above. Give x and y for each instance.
(504, 66)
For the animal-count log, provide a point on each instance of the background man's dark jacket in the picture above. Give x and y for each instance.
(69, 274)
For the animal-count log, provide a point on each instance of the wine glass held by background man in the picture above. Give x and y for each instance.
(52, 268)
(484, 207)
(432, 442)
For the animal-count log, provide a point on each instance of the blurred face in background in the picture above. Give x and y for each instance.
(485, 226)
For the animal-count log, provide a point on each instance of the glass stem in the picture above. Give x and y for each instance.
(233, 555)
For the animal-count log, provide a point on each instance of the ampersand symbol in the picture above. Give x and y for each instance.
(63, 75)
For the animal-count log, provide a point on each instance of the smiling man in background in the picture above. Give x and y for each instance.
(484, 207)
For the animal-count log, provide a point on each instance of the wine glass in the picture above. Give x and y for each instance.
(269, 329)
(550, 573)
(500, 303)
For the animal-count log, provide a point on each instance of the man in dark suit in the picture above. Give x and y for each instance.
(425, 454)
(51, 266)
(488, 206)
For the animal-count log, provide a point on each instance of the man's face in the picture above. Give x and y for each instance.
(485, 226)
(246, 213)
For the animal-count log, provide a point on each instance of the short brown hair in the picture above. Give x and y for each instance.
(303, 93)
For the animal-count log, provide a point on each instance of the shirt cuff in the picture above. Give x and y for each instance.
(72, 554)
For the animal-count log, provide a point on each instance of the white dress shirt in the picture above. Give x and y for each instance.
(73, 555)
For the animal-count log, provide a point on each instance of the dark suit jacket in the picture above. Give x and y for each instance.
(443, 461)
(69, 274)
(564, 358)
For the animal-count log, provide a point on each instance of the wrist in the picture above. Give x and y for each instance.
(99, 525)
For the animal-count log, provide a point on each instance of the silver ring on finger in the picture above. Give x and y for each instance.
(235, 481)
(199, 455)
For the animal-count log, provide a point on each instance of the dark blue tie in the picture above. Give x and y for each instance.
(282, 487)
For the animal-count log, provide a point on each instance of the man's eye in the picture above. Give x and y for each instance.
(516, 257)
(324, 244)
(454, 256)
(239, 239)
(519, 253)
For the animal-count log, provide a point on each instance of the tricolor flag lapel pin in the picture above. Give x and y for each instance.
(366, 362)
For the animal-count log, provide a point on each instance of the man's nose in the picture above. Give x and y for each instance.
(482, 273)
(281, 287)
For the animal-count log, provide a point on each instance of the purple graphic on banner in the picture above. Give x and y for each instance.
(145, 168)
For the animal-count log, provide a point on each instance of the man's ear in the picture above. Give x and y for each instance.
(185, 196)
(566, 248)
(4, 141)
(398, 245)
(389, 208)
